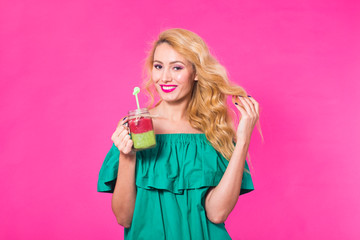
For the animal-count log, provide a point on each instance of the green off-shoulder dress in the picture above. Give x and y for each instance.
(171, 181)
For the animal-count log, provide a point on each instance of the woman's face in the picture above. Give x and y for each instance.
(172, 74)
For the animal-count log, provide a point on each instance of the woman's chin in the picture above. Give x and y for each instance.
(172, 98)
(168, 96)
(168, 100)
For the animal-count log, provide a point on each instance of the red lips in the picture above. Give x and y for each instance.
(168, 90)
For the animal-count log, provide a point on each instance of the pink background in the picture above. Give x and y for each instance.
(67, 70)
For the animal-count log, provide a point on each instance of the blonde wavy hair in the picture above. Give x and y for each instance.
(208, 110)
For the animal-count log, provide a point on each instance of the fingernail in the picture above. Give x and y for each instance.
(249, 96)
(236, 103)
(124, 118)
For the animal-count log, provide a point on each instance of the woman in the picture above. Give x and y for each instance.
(186, 187)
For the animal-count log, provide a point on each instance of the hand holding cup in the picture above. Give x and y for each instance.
(121, 138)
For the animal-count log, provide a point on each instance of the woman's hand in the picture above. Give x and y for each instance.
(249, 109)
(121, 138)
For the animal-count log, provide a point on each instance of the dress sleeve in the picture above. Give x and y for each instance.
(108, 171)
(246, 183)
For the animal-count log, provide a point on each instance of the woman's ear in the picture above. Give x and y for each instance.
(196, 78)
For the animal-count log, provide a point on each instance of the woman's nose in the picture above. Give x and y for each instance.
(166, 75)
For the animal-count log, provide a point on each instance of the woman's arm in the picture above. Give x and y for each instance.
(221, 200)
(123, 198)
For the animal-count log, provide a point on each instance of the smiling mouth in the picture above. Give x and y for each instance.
(168, 88)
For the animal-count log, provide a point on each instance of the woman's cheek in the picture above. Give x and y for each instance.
(155, 77)
(179, 77)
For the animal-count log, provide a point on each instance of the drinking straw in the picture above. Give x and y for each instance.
(136, 91)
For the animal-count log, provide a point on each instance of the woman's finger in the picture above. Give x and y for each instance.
(119, 128)
(125, 139)
(241, 109)
(116, 133)
(256, 104)
(129, 145)
(123, 133)
(246, 105)
(116, 136)
(123, 121)
(235, 99)
(251, 105)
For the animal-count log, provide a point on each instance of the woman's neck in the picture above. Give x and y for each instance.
(173, 111)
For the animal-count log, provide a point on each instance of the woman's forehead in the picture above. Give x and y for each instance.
(167, 54)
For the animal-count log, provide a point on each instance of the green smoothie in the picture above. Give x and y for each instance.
(143, 140)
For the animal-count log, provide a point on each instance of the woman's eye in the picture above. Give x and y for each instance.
(178, 68)
(157, 66)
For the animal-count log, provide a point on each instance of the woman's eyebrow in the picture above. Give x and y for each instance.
(170, 62)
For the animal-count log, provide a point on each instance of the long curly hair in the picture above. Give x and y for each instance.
(208, 110)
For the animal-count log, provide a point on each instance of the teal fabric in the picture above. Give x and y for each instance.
(171, 181)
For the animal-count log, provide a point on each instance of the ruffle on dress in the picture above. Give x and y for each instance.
(178, 162)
